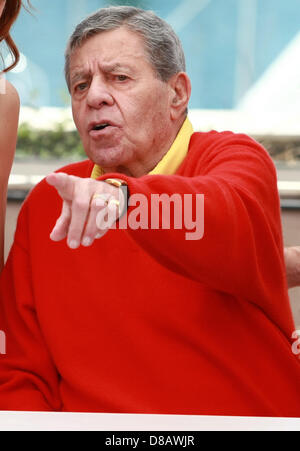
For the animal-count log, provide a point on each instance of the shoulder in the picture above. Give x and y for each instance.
(225, 138)
(228, 150)
(232, 145)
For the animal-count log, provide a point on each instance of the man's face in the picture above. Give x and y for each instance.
(120, 107)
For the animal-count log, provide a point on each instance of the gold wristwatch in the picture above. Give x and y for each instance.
(119, 183)
(116, 182)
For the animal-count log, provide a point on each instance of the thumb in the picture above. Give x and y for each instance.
(63, 183)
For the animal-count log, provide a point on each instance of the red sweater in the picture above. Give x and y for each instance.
(147, 322)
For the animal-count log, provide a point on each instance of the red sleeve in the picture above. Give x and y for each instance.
(28, 379)
(241, 251)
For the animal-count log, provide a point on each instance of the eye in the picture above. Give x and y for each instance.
(80, 87)
(122, 77)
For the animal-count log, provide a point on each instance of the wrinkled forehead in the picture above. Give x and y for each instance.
(110, 51)
(120, 43)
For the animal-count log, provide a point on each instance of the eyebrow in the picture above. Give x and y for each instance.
(79, 75)
(108, 68)
(115, 67)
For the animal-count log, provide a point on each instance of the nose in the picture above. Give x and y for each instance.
(98, 94)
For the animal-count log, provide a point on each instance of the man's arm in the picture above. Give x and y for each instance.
(28, 378)
(238, 253)
(292, 262)
(241, 252)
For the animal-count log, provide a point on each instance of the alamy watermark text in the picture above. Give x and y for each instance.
(161, 212)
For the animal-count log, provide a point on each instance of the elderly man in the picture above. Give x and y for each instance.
(118, 312)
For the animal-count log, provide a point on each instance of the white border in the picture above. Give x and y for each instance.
(24, 421)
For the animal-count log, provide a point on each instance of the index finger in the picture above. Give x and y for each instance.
(63, 183)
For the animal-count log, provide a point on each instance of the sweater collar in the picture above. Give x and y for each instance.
(173, 158)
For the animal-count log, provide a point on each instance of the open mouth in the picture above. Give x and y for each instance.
(99, 127)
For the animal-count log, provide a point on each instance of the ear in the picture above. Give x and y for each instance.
(180, 92)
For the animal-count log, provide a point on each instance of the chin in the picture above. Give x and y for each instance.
(107, 158)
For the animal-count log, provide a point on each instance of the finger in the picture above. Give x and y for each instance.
(80, 213)
(100, 221)
(91, 231)
(60, 231)
(114, 208)
(64, 184)
(106, 218)
(101, 199)
(117, 204)
(99, 204)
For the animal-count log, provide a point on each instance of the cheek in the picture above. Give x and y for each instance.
(146, 113)
(133, 108)
(158, 103)
(143, 103)
(77, 117)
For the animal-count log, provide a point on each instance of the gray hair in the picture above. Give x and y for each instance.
(162, 45)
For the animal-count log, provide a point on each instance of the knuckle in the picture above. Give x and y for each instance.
(94, 207)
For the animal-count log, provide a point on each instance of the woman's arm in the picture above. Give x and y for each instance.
(9, 117)
(292, 262)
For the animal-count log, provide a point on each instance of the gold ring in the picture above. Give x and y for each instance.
(101, 196)
(97, 196)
